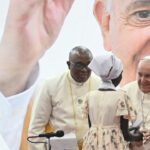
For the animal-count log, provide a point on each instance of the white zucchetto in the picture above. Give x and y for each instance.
(106, 66)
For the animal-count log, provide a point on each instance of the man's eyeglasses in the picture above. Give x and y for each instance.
(80, 65)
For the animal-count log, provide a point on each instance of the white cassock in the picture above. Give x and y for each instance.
(56, 103)
(141, 102)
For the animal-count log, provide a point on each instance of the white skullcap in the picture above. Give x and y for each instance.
(107, 66)
(146, 57)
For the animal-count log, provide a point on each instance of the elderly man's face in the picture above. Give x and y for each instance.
(143, 75)
(126, 32)
(78, 66)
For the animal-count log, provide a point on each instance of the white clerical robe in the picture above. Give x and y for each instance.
(56, 104)
(141, 102)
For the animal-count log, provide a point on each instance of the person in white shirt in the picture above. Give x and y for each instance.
(139, 92)
(58, 99)
(31, 28)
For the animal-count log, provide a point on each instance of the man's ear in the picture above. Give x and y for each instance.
(103, 18)
(68, 64)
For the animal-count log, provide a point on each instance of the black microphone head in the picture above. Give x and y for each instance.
(60, 133)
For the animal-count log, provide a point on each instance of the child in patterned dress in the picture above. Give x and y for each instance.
(109, 109)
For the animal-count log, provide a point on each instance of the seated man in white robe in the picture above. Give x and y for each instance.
(57, 100)
(139, 92)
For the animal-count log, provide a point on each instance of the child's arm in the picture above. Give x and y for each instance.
(129, 135)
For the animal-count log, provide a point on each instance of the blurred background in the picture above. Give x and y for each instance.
(80, 28)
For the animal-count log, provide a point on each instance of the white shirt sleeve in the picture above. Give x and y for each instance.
(12, 113)
(3, 144)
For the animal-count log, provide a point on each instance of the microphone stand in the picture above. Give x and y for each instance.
(48, 144)
(59, 133)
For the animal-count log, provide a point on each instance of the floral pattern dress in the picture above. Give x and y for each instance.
(105, 109)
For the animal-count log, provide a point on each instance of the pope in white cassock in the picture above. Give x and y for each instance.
(139, 92)
(57, 100)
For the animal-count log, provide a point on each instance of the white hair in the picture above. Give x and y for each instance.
(108, 5)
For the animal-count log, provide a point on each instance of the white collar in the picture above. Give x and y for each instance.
(107, 85)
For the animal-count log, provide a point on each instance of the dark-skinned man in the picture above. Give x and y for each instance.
(58, 99)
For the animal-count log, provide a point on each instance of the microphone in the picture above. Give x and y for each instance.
(58, 133)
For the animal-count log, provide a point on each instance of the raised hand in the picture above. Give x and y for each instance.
(32, 26)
